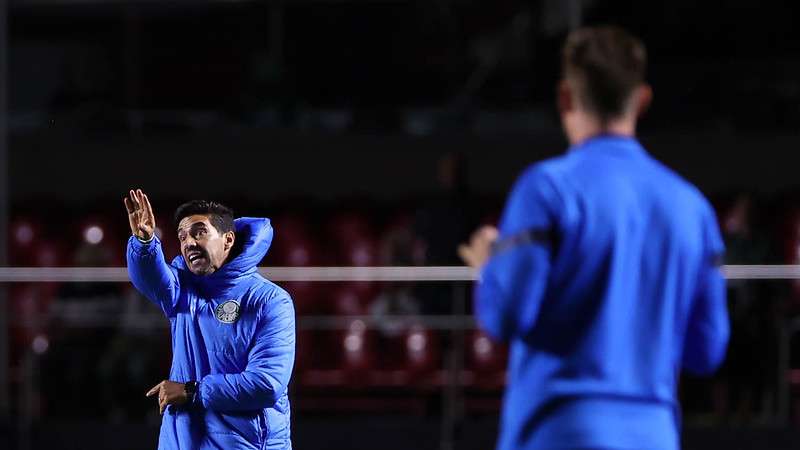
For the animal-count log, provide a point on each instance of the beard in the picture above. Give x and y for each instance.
(198, 261)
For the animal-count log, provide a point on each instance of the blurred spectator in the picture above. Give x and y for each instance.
(442, 224)
(444, 220)
(396, 301)
(398, 247)
(748, 369)
(393, 310)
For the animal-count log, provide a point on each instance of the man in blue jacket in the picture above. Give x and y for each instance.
(233, 332)
(603, 275)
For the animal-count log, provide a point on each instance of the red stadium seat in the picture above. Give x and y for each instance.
(346, 299)
(422, 350)
(96, 229)
(339, 356)
(24, 231)
(398, 244)
(360, 252)
(351, 226)
(289, 228)
(486, 359)
(294, 246)
(349, 350)
(100, 243)
(356, 347)
(485, 354)
(29, 305)
(24, 234)
(353, 243)
(47, 254)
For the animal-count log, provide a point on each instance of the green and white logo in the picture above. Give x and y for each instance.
(228, 312)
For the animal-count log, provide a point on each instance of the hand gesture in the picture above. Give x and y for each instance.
(479, 249)
(140, 215)
(169, 393)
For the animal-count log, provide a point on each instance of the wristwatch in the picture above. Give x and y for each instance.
(190, 388)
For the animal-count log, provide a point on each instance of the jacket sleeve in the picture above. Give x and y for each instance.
(151, 275)
(512, 284)
(708, 329)
(269, 365)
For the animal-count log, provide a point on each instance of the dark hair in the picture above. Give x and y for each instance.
(606, 64)
(220, 216)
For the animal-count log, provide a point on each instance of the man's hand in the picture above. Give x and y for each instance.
(140, 215)
(169, 393)
(479, 249)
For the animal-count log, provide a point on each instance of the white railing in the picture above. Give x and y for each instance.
(390, 273)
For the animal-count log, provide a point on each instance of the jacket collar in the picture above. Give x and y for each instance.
(615, 143)
(253, 238)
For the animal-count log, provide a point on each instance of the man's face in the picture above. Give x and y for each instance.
(203, 247)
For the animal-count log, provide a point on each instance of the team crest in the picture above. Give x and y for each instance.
(227, 312)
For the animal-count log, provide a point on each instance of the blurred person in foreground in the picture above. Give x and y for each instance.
(604, 275)
(233, 332)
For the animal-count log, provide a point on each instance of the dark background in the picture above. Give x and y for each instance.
(325, 99)
(334, 116)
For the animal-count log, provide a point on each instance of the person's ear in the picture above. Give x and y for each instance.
(230, 238)
(644, 97)
(565, 99)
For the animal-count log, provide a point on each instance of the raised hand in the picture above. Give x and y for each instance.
(140, 214)
(477, 252)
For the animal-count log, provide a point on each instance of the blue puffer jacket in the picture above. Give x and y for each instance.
(232, 331)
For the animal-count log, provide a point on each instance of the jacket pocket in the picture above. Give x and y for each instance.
(245, 424)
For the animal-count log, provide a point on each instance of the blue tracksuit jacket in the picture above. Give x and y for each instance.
(232, 331)
(605, 281)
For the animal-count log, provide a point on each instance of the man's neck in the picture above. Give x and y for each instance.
(586, 126)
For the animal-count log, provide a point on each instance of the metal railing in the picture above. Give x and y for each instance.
(367, 273)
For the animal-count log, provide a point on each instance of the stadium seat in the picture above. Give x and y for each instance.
(47, 253)
(294, 246)
(350, 226)
(359, 252)
(346, 299)
(24, 234)
(29, 305)
(356, 347)
(422, 351)
(398, 244)
(98, 242)
(486, 360)
(289, 228)
(348, 352)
